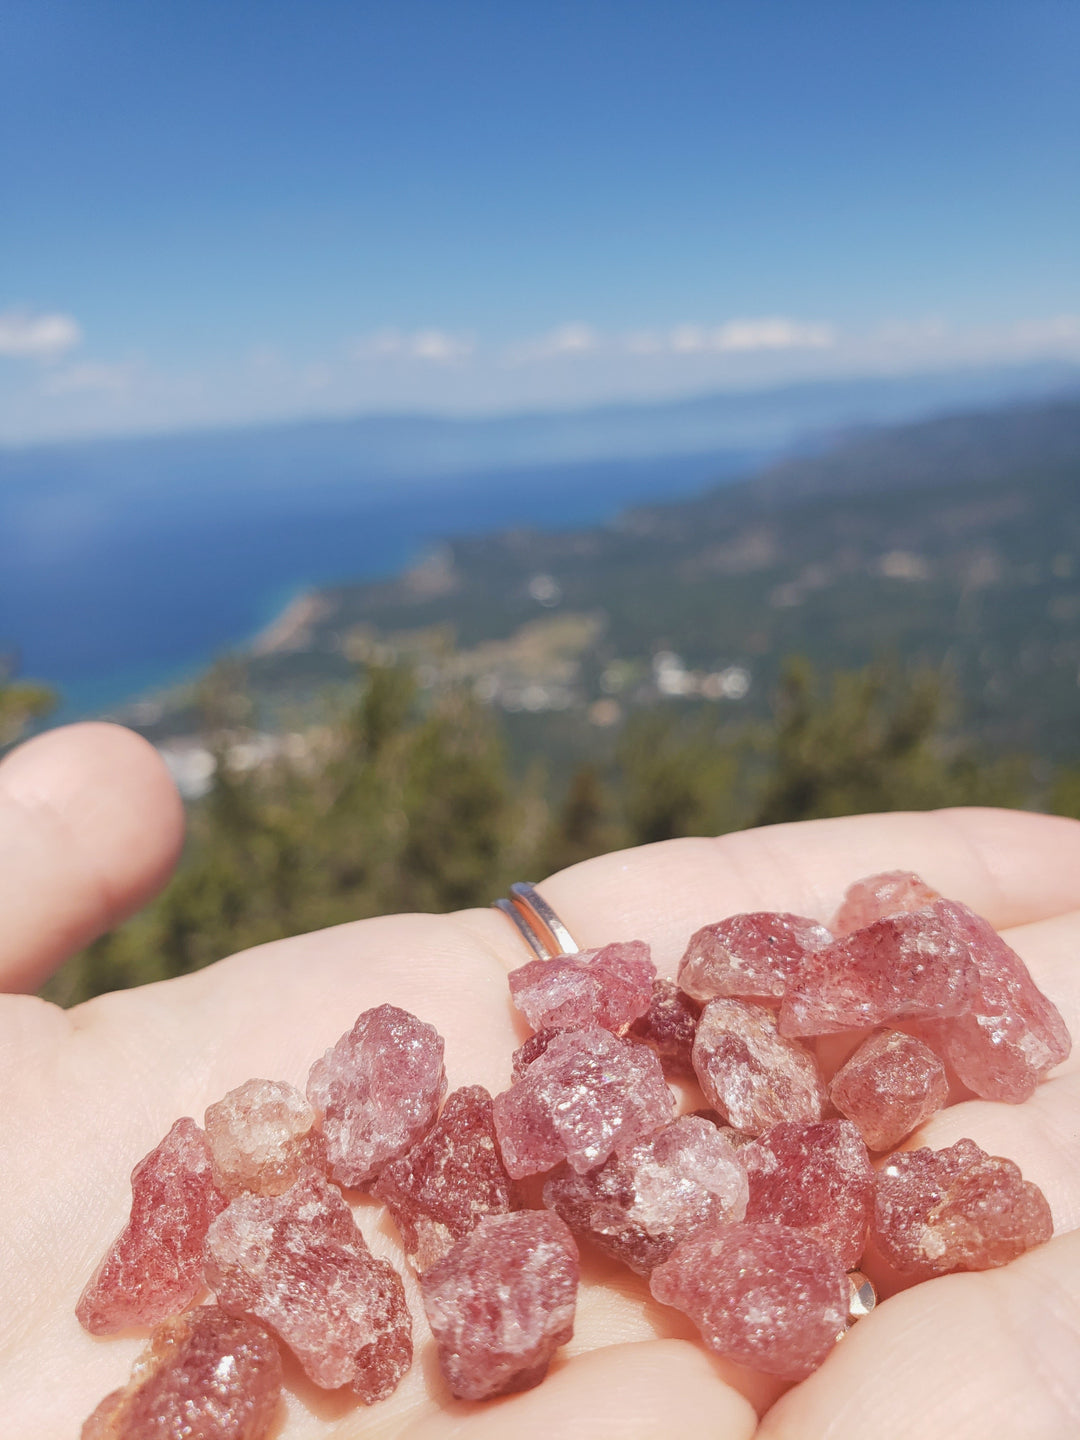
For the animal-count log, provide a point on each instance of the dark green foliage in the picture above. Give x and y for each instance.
(21, 703)
(408, 802)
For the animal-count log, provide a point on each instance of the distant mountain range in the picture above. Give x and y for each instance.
(953, 542)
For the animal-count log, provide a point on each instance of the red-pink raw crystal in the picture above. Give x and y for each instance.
(749, 1072)
(955, 1209)
(1011, 1034)
(501, 1302)
(263, 1136)
(298, 1263)
(814, 1177)
(154, 1268)
(748, 957)
(531, 1050)
(586, 1096)
(206, 1375)
(889, 1086)
(765, 1296)
(642, 1202)
(608, 987)
(378, 1090)
(668, 1027)
(438, 1190)
(896, 892)
(907, 967)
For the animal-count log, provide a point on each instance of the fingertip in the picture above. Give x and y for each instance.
(91, 827)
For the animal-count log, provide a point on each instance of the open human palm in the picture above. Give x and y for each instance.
(90, 827)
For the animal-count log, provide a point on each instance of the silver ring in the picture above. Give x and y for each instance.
(536, 922)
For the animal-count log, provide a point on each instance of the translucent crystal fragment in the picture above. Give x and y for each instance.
(955, 1209)
(814, 1177)
(641, 1203)
(377, 1090)
(765, 1296)
(449, 1180)
(907, 967)
(889, 1086)
(896, 892)
(750, 1073)
(608, 987)
(206, 1375)
(154, 1268)
(669, 1026)
(586, 1096)
(501, 1302)
(298, 1263)
(531, 1050)
(1010, 1034)
(263, 1136)
(748, 957)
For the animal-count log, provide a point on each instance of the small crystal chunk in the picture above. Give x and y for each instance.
(669, 1026)
(608, 987)
(263, 1136)
(890, 1086)
(751, 1074)
(586, 1096)
(501, 1302)
(748, 957)
(896, 892)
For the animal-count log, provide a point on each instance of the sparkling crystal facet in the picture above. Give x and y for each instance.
(531, 1050)
(154, 1267)
(669, 1026)
(814, 1177)
(889, 1086)
(263, 1136)
(641, 1203)
(748, 957)
(501, 1301)
(608, 987)
(765, 1296)
(298, 1263)
(438, 1190)
(1011, 1034)
(907, 967)
(206, 1375)
(751, 1074)
(897, 892)
(955, 1209)
(586, 1096)
(378, 1090)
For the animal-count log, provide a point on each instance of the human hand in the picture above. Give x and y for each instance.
(90, 827)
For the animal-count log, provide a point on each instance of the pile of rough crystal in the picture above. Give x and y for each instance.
(747, 1215)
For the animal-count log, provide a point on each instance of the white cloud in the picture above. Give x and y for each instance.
(437, 346)
(574, 338)
(92, 376)
(38, 337)
(734, 337)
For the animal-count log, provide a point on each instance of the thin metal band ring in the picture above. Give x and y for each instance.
(536, 922)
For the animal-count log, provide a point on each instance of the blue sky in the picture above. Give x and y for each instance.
(217, 211)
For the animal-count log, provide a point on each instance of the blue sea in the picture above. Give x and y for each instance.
(110, 590)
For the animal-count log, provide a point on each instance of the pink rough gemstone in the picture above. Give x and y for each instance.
(440, 1188)
(1011, 1034)
(531, 1050)
(896, 892)
(907, 967)
(608, 987)
(749, 1072)
(955, 1209)
(206, 1375)
(889, 1087)
(816, 1178)
(668, 1026)
(748, 957)
(154, 1268)
(262, 1138)
(641, 1203)
(586, 1096)
(765, 1296)
(501, 1302)
(379, 1090)
(298, 1263)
